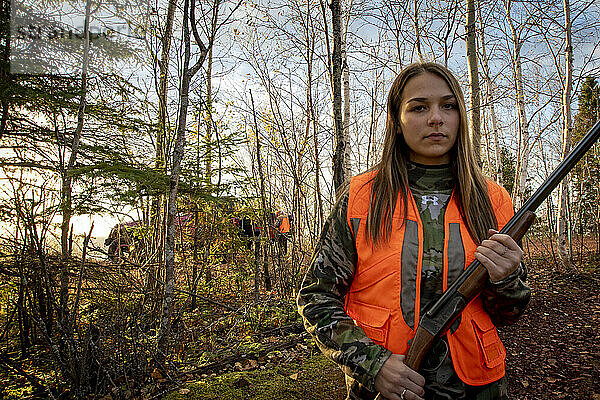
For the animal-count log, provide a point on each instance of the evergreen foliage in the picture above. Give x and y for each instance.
(586, 191)
(507, 160)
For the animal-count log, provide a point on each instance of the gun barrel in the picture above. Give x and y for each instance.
(557, 175)
(530, 206)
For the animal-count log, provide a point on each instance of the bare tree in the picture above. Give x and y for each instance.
(523, 142)
(340, 164)
(562, 228)
(189, 20)
(158, 206)
(473, 79)
(444, 16)
(417, 30)
(346, 92)
(310, 38)
(490, 100)
(67, 177)
(208, 121)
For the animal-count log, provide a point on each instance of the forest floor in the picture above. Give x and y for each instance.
(553, 352)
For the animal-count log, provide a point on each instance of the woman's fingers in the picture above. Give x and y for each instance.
(395, 376)
(413, 375)
(504, 239)
(410, 395)
(411, 388)
(500, 254)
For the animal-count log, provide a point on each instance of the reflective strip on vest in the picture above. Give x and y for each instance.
(408, 279)
(455, 253)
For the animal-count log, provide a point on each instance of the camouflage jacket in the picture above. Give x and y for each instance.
(322, 296)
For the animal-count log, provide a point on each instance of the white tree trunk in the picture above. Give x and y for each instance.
(497, 168)
(523, 143)
(346, 120)
(563, 198)
(340, 173)
(473, 79)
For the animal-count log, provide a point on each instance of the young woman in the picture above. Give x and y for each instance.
(397, 237)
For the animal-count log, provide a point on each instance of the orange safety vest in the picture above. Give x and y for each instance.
(384, 298)
(285, 224)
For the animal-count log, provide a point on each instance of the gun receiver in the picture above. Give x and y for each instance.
(438, 319)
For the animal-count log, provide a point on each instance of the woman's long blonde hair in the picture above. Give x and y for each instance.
(391, 178)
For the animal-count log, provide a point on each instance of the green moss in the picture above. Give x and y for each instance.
(15, 393)
(318, 378)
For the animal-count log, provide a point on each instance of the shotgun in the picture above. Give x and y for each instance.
(440, 316)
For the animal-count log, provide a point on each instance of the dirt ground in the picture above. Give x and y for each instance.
(554, 350)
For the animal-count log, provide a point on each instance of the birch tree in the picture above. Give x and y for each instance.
(562, 228)
(555, 28)
(473, 79)
(346, 96)
(340, 172)
(490, 100)
(516, 41)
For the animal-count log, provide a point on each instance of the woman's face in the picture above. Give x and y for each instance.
(429, 119)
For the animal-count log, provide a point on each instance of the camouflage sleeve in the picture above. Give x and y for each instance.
(321, 302)
(505, 301)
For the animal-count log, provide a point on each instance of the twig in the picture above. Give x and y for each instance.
(80, 280)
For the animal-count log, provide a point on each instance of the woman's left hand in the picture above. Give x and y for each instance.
(499, 254)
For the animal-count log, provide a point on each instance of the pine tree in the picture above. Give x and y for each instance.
(586, 191)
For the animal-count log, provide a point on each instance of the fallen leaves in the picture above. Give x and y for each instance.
(156, 374)
(554, 351)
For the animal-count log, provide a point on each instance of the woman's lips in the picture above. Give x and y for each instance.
(435, 136)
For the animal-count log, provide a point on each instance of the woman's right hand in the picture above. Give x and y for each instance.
(394, 377)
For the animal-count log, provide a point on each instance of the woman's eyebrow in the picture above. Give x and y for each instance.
(423, 99)
(417, 99)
